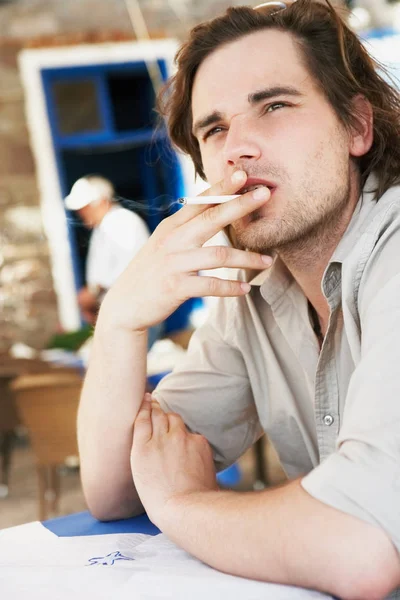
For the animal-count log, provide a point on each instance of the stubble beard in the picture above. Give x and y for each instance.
(309, 225)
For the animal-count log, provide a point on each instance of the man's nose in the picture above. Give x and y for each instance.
(241, 143)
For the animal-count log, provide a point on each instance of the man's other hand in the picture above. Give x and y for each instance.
(167, 461)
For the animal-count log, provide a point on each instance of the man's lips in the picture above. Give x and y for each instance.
(252, 183)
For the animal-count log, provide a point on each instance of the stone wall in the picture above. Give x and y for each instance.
(28, 310)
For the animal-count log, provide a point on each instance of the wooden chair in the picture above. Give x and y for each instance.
(8, 423)
(47, 405)
(10, 368)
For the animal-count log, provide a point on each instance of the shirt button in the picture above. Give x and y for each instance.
(328, 420)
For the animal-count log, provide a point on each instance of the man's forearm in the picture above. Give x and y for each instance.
(284, 536)
(111, 396)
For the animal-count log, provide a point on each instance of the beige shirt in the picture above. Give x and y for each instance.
(334, 415)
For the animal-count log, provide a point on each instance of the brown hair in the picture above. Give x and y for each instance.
(334, 56)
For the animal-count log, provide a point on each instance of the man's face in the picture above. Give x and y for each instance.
(259, 110)
(88, 215)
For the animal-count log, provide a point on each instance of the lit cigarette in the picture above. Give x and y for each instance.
(207, 199)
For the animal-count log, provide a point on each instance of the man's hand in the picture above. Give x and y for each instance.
(167, 461)
(89, 305)
(165, 272)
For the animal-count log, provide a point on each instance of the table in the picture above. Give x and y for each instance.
(75, 557)
(81, 524)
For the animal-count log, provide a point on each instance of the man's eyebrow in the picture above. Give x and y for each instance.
(272, 92)
(206, 122)
(253, 98)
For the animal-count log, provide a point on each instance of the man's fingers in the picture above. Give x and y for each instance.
(210, 222)
(227, 186)
(176, 423)
(142, 428)
(214, 257)
(196, 286)
(159, 421)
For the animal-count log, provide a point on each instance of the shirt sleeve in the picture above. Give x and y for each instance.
(362, 477)
(211, 389)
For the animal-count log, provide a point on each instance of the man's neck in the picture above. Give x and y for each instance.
(308, 259)
(103, 211)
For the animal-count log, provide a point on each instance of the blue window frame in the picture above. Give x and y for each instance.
(154, 173)
(102, 120)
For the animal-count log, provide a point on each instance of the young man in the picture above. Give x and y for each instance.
(283, 106)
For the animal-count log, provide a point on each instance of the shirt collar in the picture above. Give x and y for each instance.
(359, 221)
(273, 282)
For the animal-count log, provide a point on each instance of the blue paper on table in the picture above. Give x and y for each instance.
(84, 524)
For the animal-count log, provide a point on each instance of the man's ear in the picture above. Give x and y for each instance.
(362, 130)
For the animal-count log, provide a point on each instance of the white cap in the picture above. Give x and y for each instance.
(87, 190)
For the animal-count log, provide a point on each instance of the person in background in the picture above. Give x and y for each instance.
(118, 234)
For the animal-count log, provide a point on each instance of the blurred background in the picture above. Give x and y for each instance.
(77, 89)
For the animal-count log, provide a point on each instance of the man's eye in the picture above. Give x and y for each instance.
(273, 107)
(212, 131)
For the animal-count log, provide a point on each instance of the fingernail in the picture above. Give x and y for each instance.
(268, 260)
(246, 287)
(260, 193)
(238, 176)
